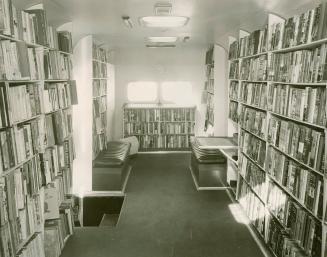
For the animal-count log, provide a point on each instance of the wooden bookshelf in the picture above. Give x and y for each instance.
(36, 150)
(282, 205)
(160, 127)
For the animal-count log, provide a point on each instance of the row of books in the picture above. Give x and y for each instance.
(301, 226)
(32, 27)
(58, 127)
(255, 177)
(299, 29)
(57, 65)
(17, 61)
(303, 143)
(303, 184)
(22, 208)
(253, 207)
(210, 116)
(99, 87)
(34, 248)
(56, 96)
(233, 111)
(234, 70)
(99, 70)
(254, 69)
(18, 145)
(280, 242)
(100, 54)
(100, 123)
(253, 121)
(253, 44)
(24, 101)
(156, 128)
(233, 90)
(253, 147)
(301, 103)
(254, 94)
(99, 105)
(150, 115)
(164, 141)
(4, 115)
(301, 66)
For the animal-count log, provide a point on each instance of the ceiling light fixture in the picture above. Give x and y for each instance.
(160, 46)
(127, 21)
(162, 8)
(164, 21)
(161, 39)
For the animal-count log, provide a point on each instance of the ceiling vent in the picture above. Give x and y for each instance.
(163, 9)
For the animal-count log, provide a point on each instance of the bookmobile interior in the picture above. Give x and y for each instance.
(151, 128)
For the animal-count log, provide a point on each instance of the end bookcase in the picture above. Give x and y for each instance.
(36, 145)
(164, 127)
(277, 102)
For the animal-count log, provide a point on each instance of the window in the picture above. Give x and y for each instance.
(142, 91)
(177, 92)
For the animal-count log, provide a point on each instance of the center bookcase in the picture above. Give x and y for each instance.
(160, 127)
(277, 102)
(36, 145)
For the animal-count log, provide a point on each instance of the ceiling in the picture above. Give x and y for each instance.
(210, 20)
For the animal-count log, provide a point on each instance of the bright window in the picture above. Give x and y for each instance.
(142, 91)
(178, 92)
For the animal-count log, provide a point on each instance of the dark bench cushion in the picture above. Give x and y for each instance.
(114, 156)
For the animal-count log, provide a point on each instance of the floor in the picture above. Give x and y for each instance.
(164, 216)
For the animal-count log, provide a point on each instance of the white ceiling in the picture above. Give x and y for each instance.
(210, 20)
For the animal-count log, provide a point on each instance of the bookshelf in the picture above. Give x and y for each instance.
(100, 87)
(209, 89)
(36, 150)
(160, 126)
(277, 103)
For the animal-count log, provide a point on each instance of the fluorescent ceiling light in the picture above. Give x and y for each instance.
(164, 21)
(161, 39)
(160, 46)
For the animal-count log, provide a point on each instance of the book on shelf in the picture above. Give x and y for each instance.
(302, 66)
(40, 26)
(254, 94)
(24, 101)
(301, 103)
(303, 143)
(254, 147)
(299, 29)
(99, 53)
(253, 120)
(57, 65)
(34, 248)
(233, 90)
(233, 50)
(254, 69)
(233, 111)
(253, 206)
(253, 44)
(4, 114)
(234, 70)
(65, 41)
(254, 177)
(99, 87)
(298, 223)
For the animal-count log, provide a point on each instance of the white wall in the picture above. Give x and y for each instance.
(180, 64)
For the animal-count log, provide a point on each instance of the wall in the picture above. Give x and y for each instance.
(178, 64)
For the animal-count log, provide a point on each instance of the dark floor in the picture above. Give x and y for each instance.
(164, 216)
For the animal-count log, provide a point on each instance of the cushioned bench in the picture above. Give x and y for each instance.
(111, 167)
(208, 166)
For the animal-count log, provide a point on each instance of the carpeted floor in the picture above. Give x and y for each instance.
(164, 216)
